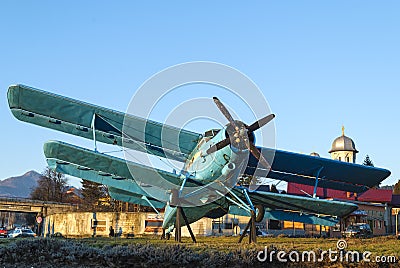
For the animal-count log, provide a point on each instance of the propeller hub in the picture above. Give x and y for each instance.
(238, 135)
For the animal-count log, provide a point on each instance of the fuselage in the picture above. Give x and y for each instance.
(223, 166)
(207, 168)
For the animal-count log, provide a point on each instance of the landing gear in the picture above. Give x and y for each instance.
(180, 214)
(260, 211)
(178, 234)
(252, 225)
(256, 215)
(165, 236)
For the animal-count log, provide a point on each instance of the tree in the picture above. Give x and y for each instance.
(368, 161)
(396, 189)
(51, 186)
(97, 198)
(93, 193)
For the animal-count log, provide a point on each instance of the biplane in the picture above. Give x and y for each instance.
(207, 186)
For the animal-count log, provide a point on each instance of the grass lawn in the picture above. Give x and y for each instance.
(208, 252)
(385, 245)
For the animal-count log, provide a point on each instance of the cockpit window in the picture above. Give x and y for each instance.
(211, 133)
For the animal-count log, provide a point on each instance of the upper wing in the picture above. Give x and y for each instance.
(303, 169)
(77, 118)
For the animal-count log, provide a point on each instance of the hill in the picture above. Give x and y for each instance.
(19, 186)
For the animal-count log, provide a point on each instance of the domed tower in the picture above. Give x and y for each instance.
(315, 154)
(343, 149)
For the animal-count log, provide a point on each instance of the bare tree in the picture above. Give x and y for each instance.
(51, 186)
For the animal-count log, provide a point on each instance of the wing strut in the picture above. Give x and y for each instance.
(148, 201)
(94, 131)
(246, 208)
(250, 208)
(248, 199)
(316, 181)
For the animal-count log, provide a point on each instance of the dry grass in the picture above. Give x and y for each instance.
(384, 245)
(151, 251)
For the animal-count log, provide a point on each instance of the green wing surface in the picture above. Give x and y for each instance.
(143, 200)
(298, 203)
(76, 117)
(282, 215)
(108, 170)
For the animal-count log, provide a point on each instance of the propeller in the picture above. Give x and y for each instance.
(239, 134)
(224, 111)
(260, 123)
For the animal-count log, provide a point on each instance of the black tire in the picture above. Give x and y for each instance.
(260, 214)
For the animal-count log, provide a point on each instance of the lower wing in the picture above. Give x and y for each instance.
(290, 207)
(108, 170)
(297, 203)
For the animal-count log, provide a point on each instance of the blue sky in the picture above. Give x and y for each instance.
(320, 64)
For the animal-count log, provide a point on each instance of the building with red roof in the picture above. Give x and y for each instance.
(374, 205)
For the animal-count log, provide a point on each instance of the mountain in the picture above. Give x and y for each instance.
(20, 186)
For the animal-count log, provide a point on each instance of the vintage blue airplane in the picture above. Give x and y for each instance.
(213, 164)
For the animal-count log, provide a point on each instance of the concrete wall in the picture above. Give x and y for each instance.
(201, 227)
(79, 224)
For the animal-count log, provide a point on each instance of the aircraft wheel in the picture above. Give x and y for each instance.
(259, 212)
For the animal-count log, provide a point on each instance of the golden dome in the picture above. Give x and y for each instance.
(343, 143)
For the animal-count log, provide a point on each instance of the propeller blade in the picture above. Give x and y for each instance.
(256, 153)
(218, 146)
(224, 111)
(260, 123)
